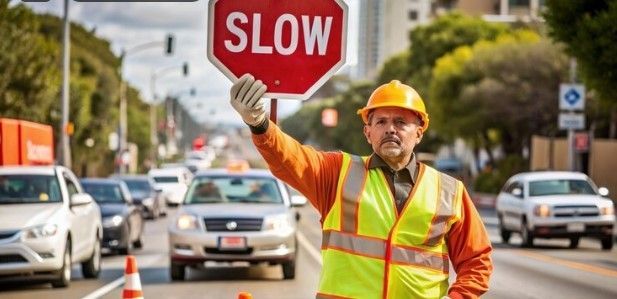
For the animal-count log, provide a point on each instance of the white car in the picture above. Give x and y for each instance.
(173, 182)
(199, 160)
(235, 215)
(47, 223)
(555, 204)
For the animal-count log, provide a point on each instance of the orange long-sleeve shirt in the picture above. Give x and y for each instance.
(315, 174)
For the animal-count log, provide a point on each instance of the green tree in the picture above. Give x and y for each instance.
(499, 92)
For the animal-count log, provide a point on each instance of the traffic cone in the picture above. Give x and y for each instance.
(245, 295)
(132, 283)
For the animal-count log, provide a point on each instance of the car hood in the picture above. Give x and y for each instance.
(227, 210)
(111, 209)
(558, 200)
(19, 216)
(172, 187)
(139, 195)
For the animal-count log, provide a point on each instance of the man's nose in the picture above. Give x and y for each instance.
(390, 128)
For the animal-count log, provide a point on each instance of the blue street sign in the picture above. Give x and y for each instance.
(571, 97)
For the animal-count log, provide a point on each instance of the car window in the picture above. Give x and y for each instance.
(560, 187)
(104, 193)
(71, 187)
(233, 189)
(166, 179)
(15, 189)
(137, 186)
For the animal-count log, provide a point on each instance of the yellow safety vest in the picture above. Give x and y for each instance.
(370, 252)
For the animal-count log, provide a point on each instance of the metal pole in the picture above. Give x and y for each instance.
(571, 154)
(123, 117)
(273, 104)
(153, 125)
(66, 48)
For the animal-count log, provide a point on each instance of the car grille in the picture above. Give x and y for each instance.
(575, 211)
(226, 224)
(7, 234)
(12, 258)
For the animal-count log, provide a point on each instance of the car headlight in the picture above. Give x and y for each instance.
(112, 221)
(542, 210)
(186, 222)
(609, 210)
(40, 231)
(277, 222)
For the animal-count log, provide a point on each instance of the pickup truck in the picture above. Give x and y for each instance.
(47, 223)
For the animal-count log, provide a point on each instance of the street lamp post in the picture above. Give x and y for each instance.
(153, 117)
(66, 48)
(168, 43)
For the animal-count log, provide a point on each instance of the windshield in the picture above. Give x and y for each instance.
(27, 188)
(166, 179)
(104, 193)
(233, 189)
(560, 187)
(138, 186)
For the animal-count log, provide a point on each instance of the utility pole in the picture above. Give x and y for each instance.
(66, 49)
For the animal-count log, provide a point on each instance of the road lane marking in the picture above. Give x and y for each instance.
(570, 264)
(314, 253)
(145, 261)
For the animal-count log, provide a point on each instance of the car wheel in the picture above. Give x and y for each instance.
(505, 234)
(526, 235)
(92, 267)
(177, 271)
(289, 269)
(574, 242)
(64, 274)
(139, 243)
(607, 243)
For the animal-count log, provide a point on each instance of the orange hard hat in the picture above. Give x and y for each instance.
(396, 94)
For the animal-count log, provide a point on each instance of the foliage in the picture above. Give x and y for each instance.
(498, 92)
(588, 29)
(491, 180)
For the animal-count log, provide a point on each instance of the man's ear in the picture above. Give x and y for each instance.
(419, 135)
(367, 133)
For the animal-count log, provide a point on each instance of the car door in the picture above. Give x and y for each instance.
(511, 204)
(81, 226)
(518, 204)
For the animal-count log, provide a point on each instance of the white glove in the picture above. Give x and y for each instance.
(246, 99)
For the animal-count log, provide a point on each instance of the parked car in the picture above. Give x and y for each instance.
(235, 215)
(123, 224)
(173, 182)
(47, 223)
(199, 160)
(555, 204)
(145, 194)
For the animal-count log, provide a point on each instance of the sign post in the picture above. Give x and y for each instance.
(571, 99)
(293, 46)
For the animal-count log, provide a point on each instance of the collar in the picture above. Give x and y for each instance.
(375, 161)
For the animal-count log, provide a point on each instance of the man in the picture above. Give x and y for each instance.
(390, 224)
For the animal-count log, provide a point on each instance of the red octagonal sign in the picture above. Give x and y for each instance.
(293, 46)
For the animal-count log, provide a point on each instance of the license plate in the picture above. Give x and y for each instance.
(576, 227)
(238, 243)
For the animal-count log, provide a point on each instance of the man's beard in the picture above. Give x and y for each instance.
(391, 152)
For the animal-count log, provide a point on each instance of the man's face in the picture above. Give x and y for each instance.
(393, 132)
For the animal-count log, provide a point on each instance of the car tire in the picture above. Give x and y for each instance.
(289, 269)
(505, 234)
(607, 243)
(526, 236)
(91, 268)
(177, 271)
(574, 242)
(64, 274)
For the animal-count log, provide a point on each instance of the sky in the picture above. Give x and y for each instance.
(128, 24)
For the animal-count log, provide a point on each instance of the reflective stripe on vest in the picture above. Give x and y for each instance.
(376, 248)
(447, 192)
(352, 189)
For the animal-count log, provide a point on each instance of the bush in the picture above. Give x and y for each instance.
(492, 180)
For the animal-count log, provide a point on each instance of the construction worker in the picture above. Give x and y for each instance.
(390, 224)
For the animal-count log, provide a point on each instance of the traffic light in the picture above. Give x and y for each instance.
(185, 69)
(169, 45)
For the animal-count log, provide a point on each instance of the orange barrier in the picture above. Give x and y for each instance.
(245, 295)
(132, 283)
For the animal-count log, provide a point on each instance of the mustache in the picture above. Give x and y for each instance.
(390, 139)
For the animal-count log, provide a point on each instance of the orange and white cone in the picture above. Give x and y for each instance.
(245, 295)
(132, 283)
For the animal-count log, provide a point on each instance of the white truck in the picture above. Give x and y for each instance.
(47, 223)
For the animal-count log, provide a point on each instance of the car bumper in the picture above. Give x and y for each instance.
(31, 257)
(114, 237)
(198, 247)
(575, 228)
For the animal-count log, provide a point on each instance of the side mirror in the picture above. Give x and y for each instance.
(298, 200)
(81, 199)
(518, 192)
(603, 191)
